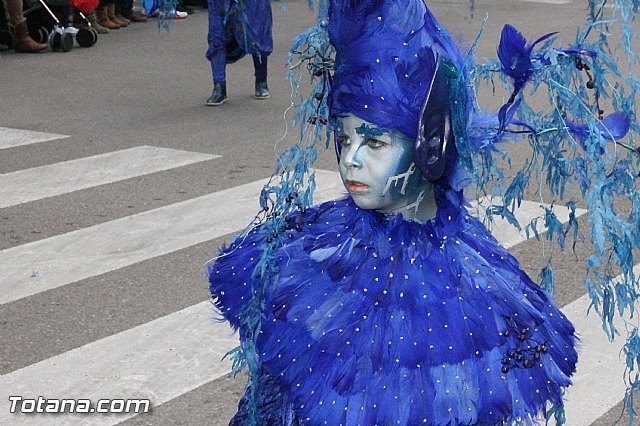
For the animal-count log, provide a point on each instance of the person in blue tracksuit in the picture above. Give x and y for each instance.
(237, 28)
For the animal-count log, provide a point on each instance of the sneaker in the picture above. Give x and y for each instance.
(174, 14)
(186, 9)
(135, 16)
(218, 96)
(180, 15)
(262, 90)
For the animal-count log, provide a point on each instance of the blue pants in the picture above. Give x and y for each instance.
(218, 67)
(236, 28)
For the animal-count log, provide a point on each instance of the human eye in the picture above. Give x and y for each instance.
(343, 139)
(375, 143)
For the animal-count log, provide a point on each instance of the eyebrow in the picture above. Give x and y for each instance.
(370, 131)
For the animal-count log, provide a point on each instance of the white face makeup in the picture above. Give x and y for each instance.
(377, 169)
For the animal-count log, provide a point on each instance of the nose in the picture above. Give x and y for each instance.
(350, 157)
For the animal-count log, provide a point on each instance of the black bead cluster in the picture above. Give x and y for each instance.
(582, 66)
(527, 351)
(292, 223)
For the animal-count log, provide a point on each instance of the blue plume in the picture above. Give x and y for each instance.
(515, 55)
(613, 127)
(386, 82)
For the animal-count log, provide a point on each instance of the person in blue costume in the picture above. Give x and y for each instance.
(393, 305)
(236, 28)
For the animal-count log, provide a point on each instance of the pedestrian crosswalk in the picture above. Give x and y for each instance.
(11, 138)
(60, 178)
(169, 356)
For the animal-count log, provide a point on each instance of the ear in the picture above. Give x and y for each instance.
(435, 138)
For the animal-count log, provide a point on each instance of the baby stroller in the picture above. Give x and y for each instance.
(49, 29)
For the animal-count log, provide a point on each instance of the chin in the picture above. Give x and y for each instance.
(362, 201)
(365, 202)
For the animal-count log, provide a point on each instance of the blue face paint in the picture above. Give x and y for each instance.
(367, 131)
(377, 169)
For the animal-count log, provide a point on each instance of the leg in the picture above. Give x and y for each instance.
(14, 8)
(217, 39)
(260, 68)
(129, 14)
(103, 15)
(93, 20)
(24, 43)
(218, 68)
(219, 94)
(115, 13)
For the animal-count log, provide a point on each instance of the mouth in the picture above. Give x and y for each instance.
(355, 186)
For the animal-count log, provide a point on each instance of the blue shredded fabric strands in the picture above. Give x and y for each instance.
(350, 316)
(166, 10)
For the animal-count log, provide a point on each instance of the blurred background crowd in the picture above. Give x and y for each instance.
(30, 26)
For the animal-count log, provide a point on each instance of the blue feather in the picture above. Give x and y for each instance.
(613, 127)
(515, 55)
(336, 324)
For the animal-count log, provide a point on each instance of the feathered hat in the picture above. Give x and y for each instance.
(397, 67)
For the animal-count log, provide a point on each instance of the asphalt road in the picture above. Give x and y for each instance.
(139, 86)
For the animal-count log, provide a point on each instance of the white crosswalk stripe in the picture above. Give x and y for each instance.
(166, 358)
(600, 366)
(61, 178)
(11, 138)
(108, 246)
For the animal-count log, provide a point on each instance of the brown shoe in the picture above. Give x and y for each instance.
(103, 19)
(121, 18)
(138, 17)
(93, 20)
(111, 13)
(24, 43)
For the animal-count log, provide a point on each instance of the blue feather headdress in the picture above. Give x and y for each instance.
(385, 59)
(576, 141)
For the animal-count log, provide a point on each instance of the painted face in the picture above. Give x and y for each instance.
(377, 169)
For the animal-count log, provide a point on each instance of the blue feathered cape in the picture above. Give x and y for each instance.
(374, 320)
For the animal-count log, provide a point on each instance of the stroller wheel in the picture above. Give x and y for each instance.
(85, 37)
(95, 36)
(7, 39)
(55, 39)
(66, 43)
(42, 36)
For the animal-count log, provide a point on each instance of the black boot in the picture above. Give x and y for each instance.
(218, 96)
(262, 89)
